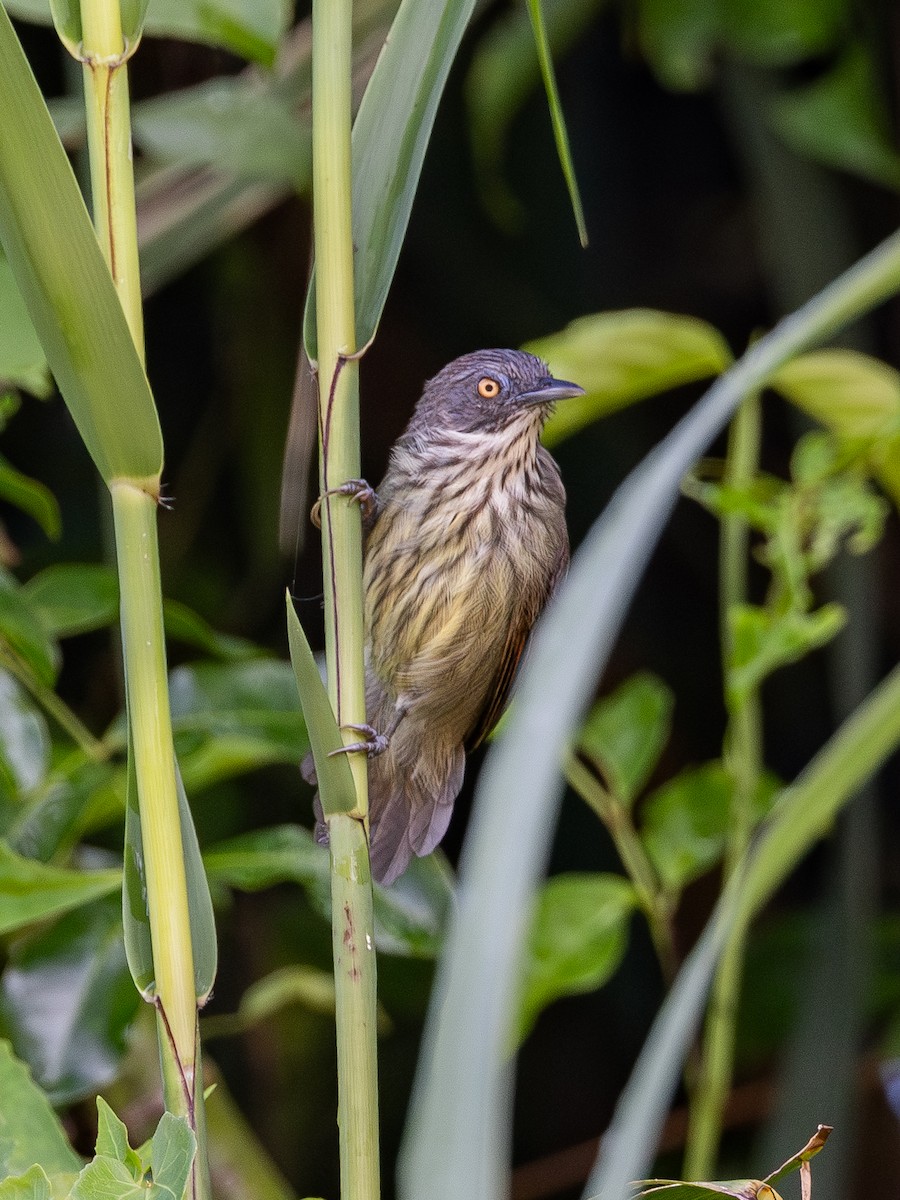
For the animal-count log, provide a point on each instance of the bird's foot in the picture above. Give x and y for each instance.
(354, 489)
(374, 743)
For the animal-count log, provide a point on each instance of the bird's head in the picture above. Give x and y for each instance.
(489, 391)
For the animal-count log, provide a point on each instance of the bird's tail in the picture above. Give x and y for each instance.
(410, 804)
(411, 799)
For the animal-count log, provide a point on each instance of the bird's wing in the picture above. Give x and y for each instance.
(516, 640)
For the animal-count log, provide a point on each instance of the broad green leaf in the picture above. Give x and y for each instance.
(841, 120)
(457, 1140)
(621, 357)
(30, 1131)
(779, 33)
(172, 1154)
(410, 916)
(67, 1001)
(57, 264)
(390, 136)
(24, 737)
(22, 361)
(31, 497)
(33, 1185)
(136, 919)
(106, 1178)
(24, 634)
(72, 598)
(686, 822)
(58, 819)
(560, 133)
(763, 640)
(248, 28)
(853, 394)
(335, 781)
(30, 891)
(112, 1139)
(230, 124)
(625, 733)
(679, 40)
(188, 627)
(578, 936)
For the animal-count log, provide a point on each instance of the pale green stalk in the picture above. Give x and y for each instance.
(104, 54)
(743, 757)
(338, 377)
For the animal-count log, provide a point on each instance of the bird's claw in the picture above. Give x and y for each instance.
(375, 743)
(354, 489)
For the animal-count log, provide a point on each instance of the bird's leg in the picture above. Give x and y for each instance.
(354, 489)
(374, 742)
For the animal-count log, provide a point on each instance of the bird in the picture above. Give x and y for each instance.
(465, 541)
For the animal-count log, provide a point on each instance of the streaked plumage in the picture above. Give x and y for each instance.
(467, 544)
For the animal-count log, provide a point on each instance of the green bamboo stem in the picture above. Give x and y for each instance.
(338, 378)
(104, 55)
(743, 757)
(146, 686)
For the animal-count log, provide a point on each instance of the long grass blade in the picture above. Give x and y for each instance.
(458, 1137)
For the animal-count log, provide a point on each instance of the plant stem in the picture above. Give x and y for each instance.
(711, 1083)
(351, 886)
(148, 711)
(634, 859)
(109, 145)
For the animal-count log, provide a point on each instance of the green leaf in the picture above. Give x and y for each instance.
(248, 28)
(138, 946)
(504, 72)
(172, 1154)
(33, 1185)
(390, 137)
(763, 640)
(230, 124)
(57, 820)
(229, 718)
(625, 733)
(24, 738)
(31, 497)
(578, 936)
(686, 822)
(24, 634)
(30, 891)
(186, 626)
(560, 134)
(779, 33)
(57, 263)
(72, 598)
(621, 357)
(335, 781)
(22, 361)
(679, 39)
(112, 1140)
(410, 916)
(841, 120)
(853, 394)
(30, 1130)
(67, 1001)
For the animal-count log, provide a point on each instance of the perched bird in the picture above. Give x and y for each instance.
(465, 542)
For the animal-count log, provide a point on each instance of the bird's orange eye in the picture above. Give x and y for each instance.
(488, 388)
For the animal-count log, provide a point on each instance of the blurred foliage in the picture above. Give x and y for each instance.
(490, 258)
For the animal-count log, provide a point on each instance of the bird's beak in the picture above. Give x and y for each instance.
(549, 390)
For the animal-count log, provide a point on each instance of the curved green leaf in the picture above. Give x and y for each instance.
(58, 267)
(390, 137)
(621, 357)
(31, 891)
(31, 1130)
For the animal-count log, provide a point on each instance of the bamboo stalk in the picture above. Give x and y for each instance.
(338, 379)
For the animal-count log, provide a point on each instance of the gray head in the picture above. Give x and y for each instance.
(488, 391)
